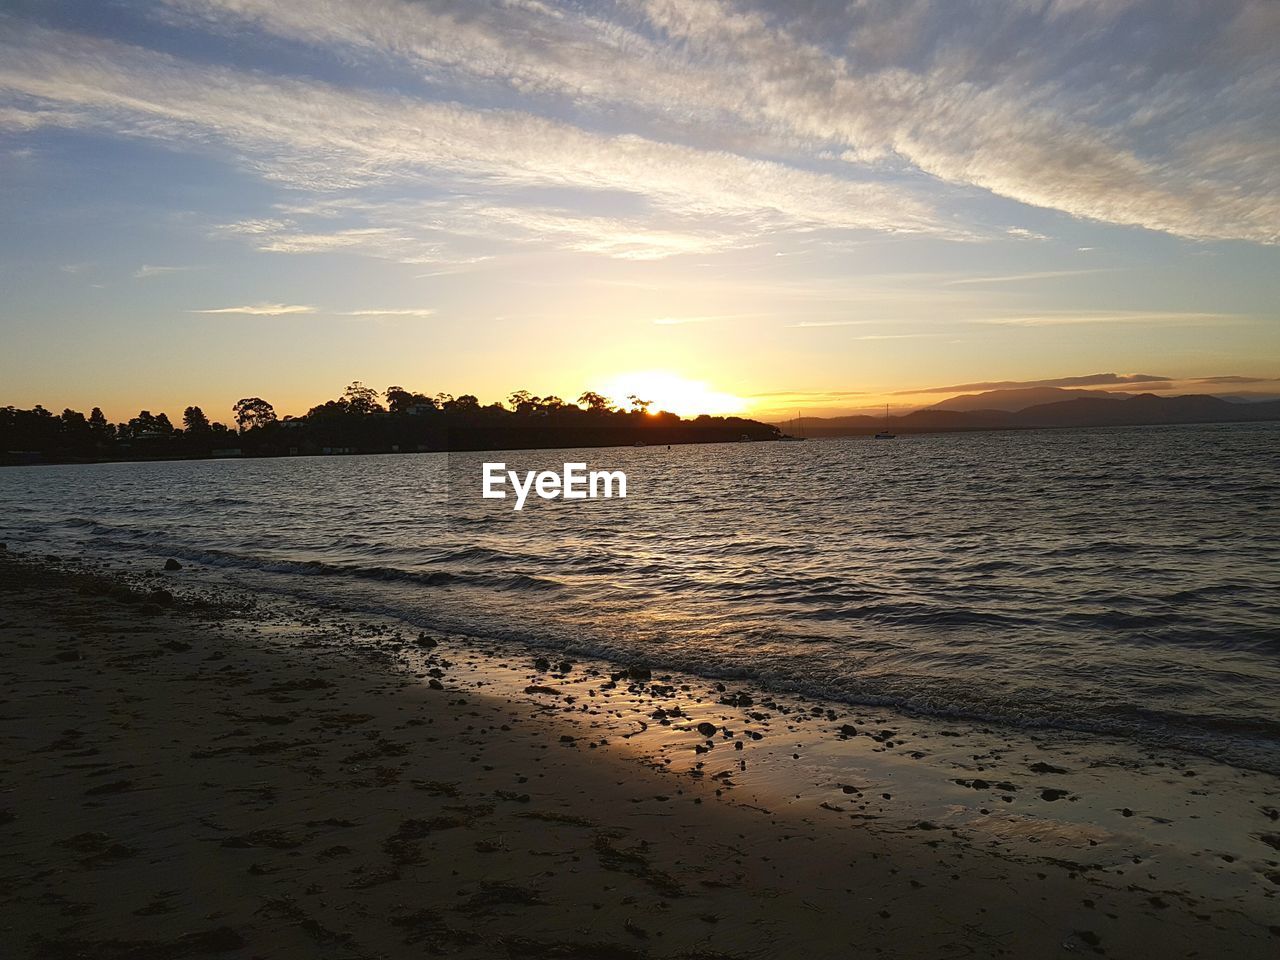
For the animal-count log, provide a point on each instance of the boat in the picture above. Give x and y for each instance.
(799, 431)
(885, 434)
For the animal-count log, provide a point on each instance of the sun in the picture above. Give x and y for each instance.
(671, 392)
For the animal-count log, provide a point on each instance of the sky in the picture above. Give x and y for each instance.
(764, 206)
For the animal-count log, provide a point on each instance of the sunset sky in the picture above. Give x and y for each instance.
(766, 206)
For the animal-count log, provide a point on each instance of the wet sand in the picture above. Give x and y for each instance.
(190, 775)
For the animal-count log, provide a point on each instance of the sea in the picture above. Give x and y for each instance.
(1124, 581)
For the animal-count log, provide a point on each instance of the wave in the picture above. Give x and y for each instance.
(229, 560)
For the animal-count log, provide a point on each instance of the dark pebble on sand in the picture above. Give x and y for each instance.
(707, 729)
(172, 564)
(1045, 768)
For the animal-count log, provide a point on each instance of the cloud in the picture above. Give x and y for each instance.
(699, 126)
(1019, 277)
(1021, 233)
(1090, 380)
(898, 336)
(487, 163)
(1159, 120)
(397, 312)
(830, 323)
(1074, 317)
(148, 270)
(808, 395)
(1235, 379)
(261, 310)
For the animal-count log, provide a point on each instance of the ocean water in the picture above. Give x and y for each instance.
(1125, 581)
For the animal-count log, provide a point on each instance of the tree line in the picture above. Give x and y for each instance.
(361, 420)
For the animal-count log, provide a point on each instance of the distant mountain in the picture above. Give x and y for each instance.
(1248, 397)
(1019, 399)
(1144, 409)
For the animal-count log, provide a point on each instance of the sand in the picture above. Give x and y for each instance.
(190, 775)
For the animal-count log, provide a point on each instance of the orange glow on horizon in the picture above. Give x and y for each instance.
(672, 393)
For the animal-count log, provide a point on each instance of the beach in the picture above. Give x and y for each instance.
(189, 774)
(648, 480)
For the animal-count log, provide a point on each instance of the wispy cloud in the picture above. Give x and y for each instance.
(1174, 138)
(1088, 380)
(898, 336)
(1020, 277)
(148, 270)
(830, 323)
(890, 88)
(261, 310)
(395, 312)
(1074, 317)
(709, 318)
(1232, 380)
(808, 395)
(318, 137)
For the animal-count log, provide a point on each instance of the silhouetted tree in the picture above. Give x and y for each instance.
(73, 422)
(253, 412)
(522, 401)
(642, 406)
(400, 400)
(194, 420)
(595, 402)
(345, 425)
(361, 399)
(148, 425)
(330, 408)
(102, 430)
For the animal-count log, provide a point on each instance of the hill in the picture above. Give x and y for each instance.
(1144, 409)
(1021, 398)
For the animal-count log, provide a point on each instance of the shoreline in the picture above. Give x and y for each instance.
(353, 592)
(190, 800)
(869, 432)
